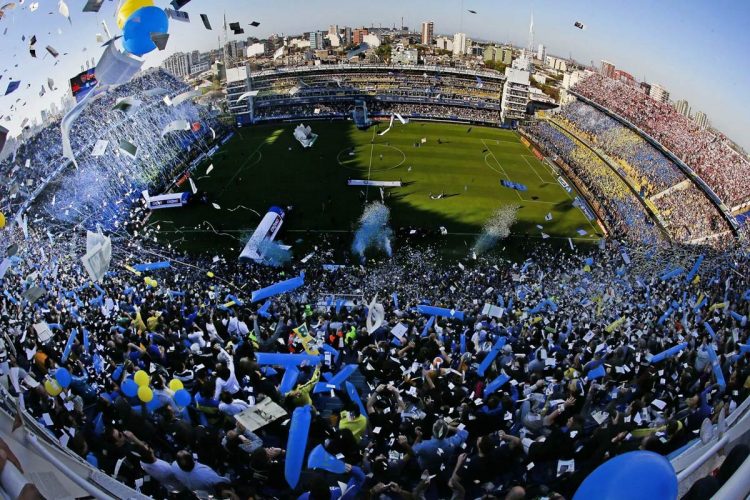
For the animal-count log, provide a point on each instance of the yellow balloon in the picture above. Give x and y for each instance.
(175, 385)
(141, 378)
(2, 220)
(145, 394)
(127, 9)
(53, 388)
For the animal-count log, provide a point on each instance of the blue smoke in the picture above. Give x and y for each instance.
(373, 231)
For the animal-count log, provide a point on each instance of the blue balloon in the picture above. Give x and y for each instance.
(139, 27)
(182, 397)
(129, 388)
(637, 474)
(62, 375)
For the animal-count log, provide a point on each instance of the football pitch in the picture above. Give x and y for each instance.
(451, 178)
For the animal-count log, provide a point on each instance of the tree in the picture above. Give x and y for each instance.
(384, 53)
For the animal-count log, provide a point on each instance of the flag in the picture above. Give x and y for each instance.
(12, 86)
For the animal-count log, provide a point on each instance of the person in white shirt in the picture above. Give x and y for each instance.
(226, 381)
(232, 406)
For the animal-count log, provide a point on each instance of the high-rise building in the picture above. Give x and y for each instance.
(682, 107)
(701, 119)
(358, 35)
(507, 56)
(541, 52)
(659, 93)
(608, 69)
(333, 29)
(316, 40)
(515, 94)
(459, 44)
(178, 64)
(428, 31)
(347, 35)
(444, 43)
(238, 83)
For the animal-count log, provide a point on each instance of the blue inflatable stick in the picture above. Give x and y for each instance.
(263, 311)
(289, 380)
(496, 384)
(597, 372)
(327, 348)
(354, 396)
(320, 459)
(440, 311)
(278, 288)
(716, 366)
(694, 269)
(668, 275)
(296, 444)
(335, 381)
(428, 325)
(153, 266)
(739, 317)
(672, 351)
(69, 345)
(273, 358)
(395, 299)
(709, 329)
(491, 356)
(463, 342)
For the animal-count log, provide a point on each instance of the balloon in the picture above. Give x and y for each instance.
(129, 388)
(182, 397)
(53, 388)
(128, 8)
(138, 29)
(62, 375)
(637, 474)
(2, 220)
(141, 378)
(145, 393)
(176, 385)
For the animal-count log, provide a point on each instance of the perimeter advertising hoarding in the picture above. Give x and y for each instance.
(83, 83)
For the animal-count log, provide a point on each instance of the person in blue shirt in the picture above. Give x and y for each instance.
(431, 454)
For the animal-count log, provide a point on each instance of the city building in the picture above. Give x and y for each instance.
(645, 87)
(507, 56)
(701, 119)
(178, 64)
(371, 39)
(428, 31)
(316, 40)
(459, 44)
(608, 69)
(659, 93)
(556, 63)
(256, 49)
(682, 107)
(444, 43)
(515, 94)
(238, 83)
(492, 53)
(334, 40)
(347, 36)
(541, 52)
(358, 35)
(333, 29)
(406, 56)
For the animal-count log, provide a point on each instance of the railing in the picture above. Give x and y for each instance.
(383, 67)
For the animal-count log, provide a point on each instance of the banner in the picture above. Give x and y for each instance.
(83, 83)
(170, 200)
(266, 231)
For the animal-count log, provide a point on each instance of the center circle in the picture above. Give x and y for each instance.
(384, 157)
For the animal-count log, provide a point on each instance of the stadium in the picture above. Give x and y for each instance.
(313, 268)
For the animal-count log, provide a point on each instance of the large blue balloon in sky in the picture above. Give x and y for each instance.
(139, 27)
(631, 476)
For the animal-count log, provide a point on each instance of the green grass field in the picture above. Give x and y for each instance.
(264, 166)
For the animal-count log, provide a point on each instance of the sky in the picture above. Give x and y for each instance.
(696, 49)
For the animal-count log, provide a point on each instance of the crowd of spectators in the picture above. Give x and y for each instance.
(708, 153)
(652, 173)
(577, 391)
(626, 215)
